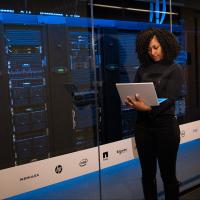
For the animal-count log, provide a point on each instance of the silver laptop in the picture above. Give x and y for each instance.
(146, 91)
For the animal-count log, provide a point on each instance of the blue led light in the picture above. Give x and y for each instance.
(7, 11)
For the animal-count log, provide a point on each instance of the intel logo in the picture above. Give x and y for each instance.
(83, 162)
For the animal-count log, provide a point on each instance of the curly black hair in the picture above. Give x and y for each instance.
(167, 41)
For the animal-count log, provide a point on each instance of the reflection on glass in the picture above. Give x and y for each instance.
(83, 90)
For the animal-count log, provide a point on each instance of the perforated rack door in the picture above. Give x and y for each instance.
(27, 92)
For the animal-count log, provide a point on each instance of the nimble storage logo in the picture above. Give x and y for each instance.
(155, 11)
(105, 155)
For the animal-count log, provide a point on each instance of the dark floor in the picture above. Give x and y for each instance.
(193, 194)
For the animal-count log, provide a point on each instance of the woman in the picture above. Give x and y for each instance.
(157, 131)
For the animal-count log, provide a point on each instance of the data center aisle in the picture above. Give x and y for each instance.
(121, 182)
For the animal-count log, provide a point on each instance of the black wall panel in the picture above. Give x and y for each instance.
(111, 107)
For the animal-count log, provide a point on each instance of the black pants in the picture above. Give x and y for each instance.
(158, 141)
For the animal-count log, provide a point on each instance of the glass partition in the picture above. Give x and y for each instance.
(117, 24)
(48, 99)
(63, 123)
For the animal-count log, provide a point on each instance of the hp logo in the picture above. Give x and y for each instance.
(58, 169)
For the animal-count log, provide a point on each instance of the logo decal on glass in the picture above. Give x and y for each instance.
(155, 10)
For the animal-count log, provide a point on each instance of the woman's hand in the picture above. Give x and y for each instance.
(137, 103)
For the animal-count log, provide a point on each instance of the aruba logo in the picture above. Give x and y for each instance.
(159, 20)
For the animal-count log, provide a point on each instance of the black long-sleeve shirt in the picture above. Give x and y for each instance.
(168, 83)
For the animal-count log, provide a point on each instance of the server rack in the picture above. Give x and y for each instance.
(61, 136)
(6, 141)
(27, 93)
(84, 107)
(49, 100)
(48, 92)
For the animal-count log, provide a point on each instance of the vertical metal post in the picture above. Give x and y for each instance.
(170, 15)
(96, 96)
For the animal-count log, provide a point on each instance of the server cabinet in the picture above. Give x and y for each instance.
(47, 83)
(83, 91)
(27, 96)
(72, 91)
(61, 133)
(6, 137)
